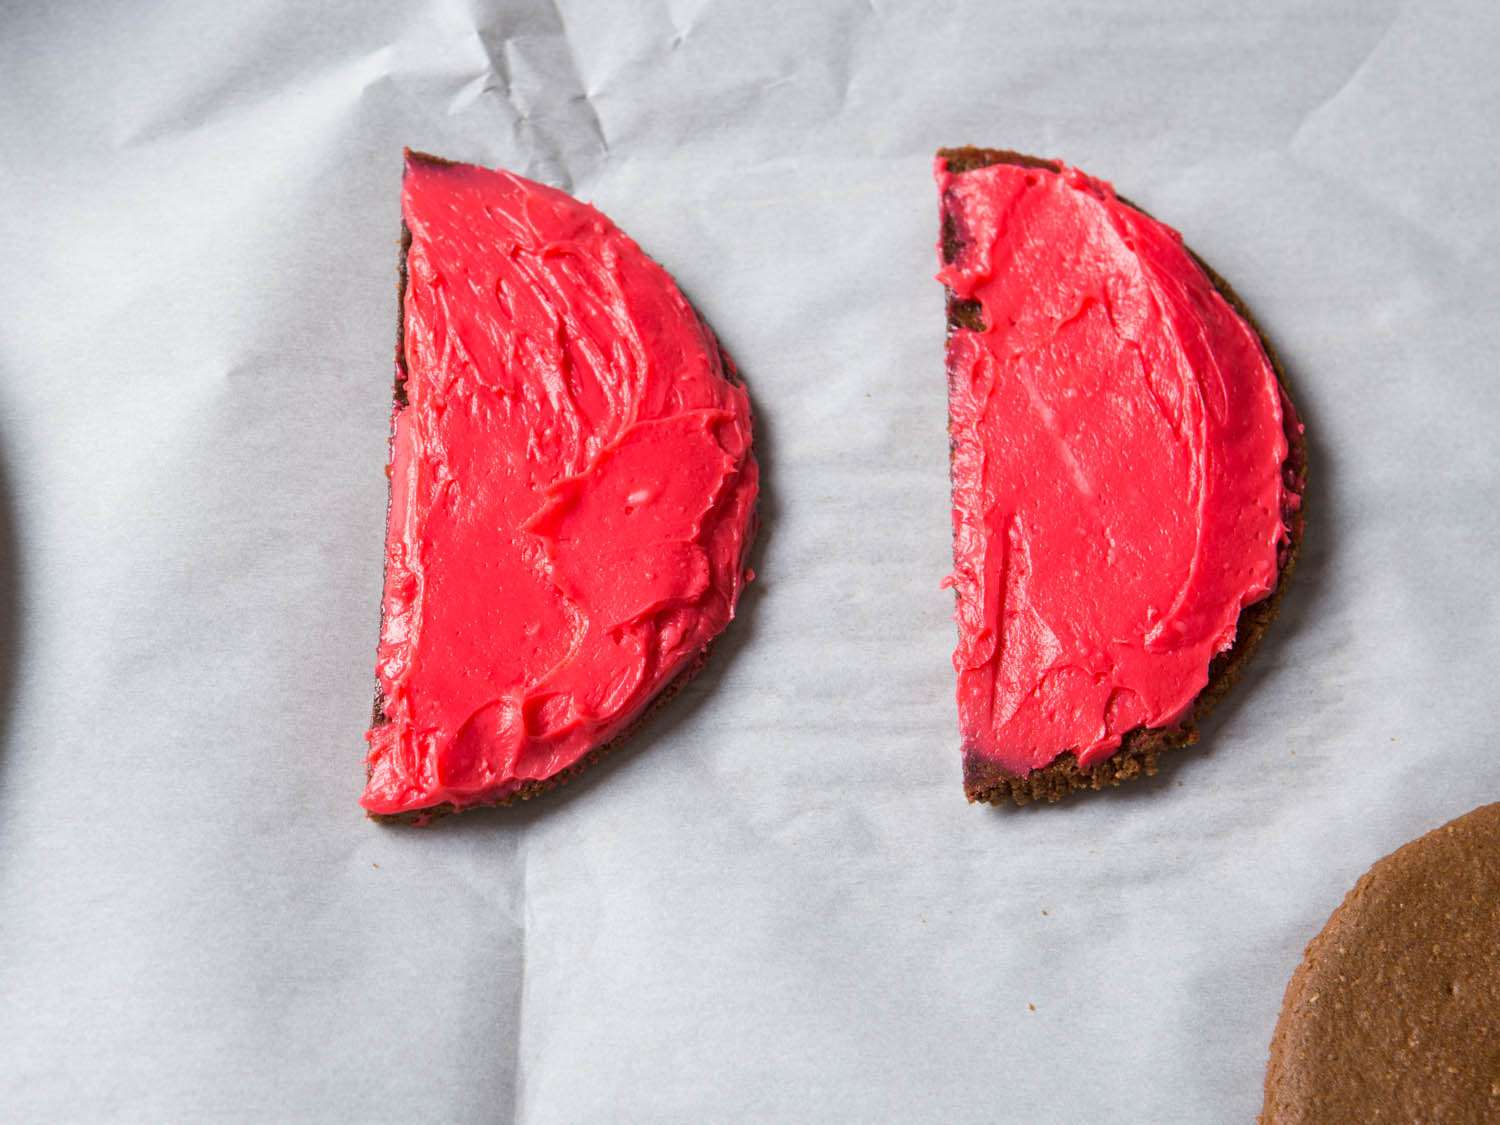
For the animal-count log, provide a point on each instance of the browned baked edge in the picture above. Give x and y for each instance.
(528, 789)
(990, 783)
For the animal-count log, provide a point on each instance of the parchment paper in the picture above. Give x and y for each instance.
(776, 906)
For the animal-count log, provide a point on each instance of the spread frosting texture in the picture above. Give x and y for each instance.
(572, 491)
(1119, 441)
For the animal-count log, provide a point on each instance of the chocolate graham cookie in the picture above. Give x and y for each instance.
(1394, 1013)
(1128, 473)
(572, 495)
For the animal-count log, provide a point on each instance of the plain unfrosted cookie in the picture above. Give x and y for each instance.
(1394, 1013)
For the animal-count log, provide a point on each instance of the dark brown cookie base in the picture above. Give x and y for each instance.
(528, 789)
(1394, 1013)
(988, 782)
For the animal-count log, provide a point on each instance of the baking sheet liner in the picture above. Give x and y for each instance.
(776, 905)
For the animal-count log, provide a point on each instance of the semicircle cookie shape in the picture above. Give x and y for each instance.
(1127, 473)
(1394, 1013)
(572, 494)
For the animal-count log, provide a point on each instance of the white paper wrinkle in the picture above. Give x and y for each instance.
(535, 70)
(1349, 86)
(683, 22)
(581, 82)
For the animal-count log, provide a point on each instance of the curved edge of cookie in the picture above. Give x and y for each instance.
(420, 818)
(1279, 1093)
(990, 783)
(1296, 994)
(529, 789)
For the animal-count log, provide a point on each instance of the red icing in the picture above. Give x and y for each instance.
(572, 491)
(1119, 445)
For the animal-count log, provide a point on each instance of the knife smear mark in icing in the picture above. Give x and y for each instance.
(572, 492)
(1119, 440)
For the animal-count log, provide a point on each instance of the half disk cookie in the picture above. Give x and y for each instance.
(572, 493)
(1394, 1013)
(1127, 478)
